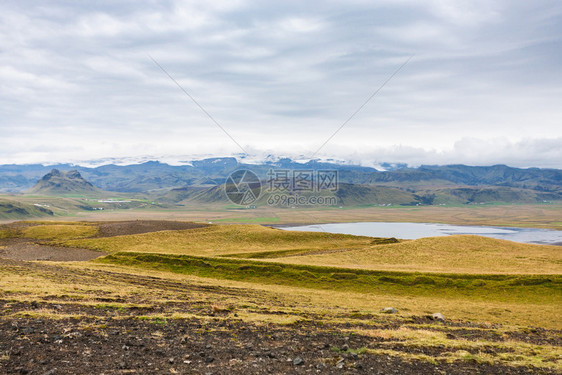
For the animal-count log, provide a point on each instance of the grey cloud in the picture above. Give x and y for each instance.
(281, 76)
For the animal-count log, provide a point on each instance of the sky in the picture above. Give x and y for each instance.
(473, 82)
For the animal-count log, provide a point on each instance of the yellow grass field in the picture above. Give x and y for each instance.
(222, 239)
(454, 254)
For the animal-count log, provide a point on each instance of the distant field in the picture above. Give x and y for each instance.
(546, 215)
(536, 216)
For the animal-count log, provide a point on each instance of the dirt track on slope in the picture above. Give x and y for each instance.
(23, 249)
(19, 248)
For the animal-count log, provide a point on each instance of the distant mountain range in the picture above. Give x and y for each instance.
(200, 181)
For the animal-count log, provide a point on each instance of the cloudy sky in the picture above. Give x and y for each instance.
(483, 85)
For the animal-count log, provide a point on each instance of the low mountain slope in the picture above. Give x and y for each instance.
(346, 195)
(496, 175)
(11, 210)
(354, 195)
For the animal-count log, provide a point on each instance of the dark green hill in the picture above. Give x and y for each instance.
(196, 194)
(355, 195)
(490, 194)
(11, 210)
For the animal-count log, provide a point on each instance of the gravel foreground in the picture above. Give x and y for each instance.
(132, 346)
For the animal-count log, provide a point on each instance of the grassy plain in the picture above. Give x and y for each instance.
(544, 215)
(222, 239)
(60, 231)
(517, 279)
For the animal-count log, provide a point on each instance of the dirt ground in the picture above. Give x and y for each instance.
(24, 249)
(132, 346)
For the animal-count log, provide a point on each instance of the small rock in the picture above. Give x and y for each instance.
(345, 348)
(209, 359)
(438, 316)
(171, 360)
(298, 361)
(389, 310)
(122, 365)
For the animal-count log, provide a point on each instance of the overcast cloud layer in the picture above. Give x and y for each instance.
(484, 85)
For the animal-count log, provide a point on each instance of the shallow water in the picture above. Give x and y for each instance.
(419, 230)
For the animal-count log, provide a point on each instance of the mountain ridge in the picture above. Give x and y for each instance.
(59, 182)
(154, 175)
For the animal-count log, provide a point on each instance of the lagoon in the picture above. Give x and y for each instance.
(419, 230)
